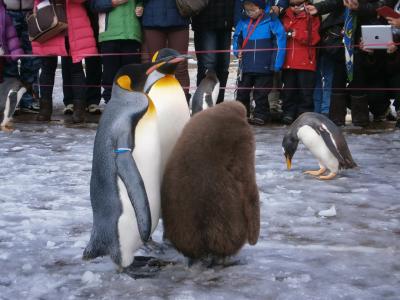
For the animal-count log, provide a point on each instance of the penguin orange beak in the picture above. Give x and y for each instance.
(155, 67)
(288, 162)
(179, 59)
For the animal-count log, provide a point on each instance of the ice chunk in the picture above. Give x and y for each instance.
(50, 244)
(90, 277)
(328, 212)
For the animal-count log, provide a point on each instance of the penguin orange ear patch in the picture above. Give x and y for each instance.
(125, 82)
(154, 58)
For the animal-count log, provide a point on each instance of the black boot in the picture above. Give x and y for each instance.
(45, 110)
(338, 109)
(79, 111)
(359, 110)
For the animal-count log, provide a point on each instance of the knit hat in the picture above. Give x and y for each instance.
(259, 3)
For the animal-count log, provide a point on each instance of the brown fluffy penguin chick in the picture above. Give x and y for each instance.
(209, 197)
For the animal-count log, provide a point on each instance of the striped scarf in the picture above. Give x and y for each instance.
(350, 22)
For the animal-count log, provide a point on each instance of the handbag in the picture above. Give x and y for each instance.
(47, 20)
(190, 8)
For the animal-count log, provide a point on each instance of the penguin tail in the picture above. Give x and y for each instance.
(350, 164)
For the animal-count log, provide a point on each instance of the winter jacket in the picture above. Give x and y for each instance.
(80, 35)
(217, 15)
(366, 13)
(300, 54)
(162, 13)
(19, 4)
(118, 23)
(268, 33)
(9, 41)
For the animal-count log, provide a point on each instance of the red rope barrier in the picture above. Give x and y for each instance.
(199, 51)
(247, 88)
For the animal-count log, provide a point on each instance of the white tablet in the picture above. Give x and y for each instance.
(376, 36)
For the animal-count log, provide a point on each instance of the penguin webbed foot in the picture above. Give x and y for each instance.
(152, 246)
(212, 261)
(328, 177)
(316, 172)
(7, 128)
(146, 267)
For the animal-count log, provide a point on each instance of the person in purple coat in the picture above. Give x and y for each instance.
(9, 42)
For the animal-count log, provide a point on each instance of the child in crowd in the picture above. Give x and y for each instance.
(298, 74)
(257, 32)
(119, 32)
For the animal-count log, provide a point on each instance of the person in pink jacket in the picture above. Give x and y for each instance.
(73, 45)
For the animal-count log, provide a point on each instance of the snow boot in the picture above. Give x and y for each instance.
(45, 110)
(359, 110)
(78, 115)
(338, 109)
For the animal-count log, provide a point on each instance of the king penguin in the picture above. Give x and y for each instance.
(169, 100)
(127, 166)
(206, 93)
(325, 141)
(11, 92)
(209, 196)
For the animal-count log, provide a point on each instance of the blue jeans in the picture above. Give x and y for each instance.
(219, 62)
(28, 71)
(323, 84)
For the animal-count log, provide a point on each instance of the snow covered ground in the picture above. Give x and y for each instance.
(46, 218)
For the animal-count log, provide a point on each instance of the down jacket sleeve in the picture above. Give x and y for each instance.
(13, 43)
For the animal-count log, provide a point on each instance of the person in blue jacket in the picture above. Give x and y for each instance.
(253, 41)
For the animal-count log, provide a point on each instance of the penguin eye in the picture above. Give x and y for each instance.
(125, 82)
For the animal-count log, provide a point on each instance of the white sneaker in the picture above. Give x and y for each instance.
(69, 109)
(94, 109)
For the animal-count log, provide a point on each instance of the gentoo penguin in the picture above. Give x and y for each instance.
(206, 93)
(325, 141)
(11, 92)
(209, 196)
(127, 166)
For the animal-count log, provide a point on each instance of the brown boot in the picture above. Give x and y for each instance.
(338, 109)
(79, 111)
(359, 110)
(45, 110)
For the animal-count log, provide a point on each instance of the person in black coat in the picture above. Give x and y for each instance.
(212, 31)
(365, 63)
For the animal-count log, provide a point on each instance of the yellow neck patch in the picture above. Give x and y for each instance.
(154, 58)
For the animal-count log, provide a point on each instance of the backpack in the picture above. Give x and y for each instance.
(190, 8)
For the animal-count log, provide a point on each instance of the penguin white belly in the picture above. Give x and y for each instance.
(9, 108)
(215, 94)
(147, 157)
(128, 231)
(172, 111)
(314, 142)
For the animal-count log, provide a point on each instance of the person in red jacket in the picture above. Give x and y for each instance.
(298, 74)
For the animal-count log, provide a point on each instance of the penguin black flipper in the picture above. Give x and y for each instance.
(128, 172)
